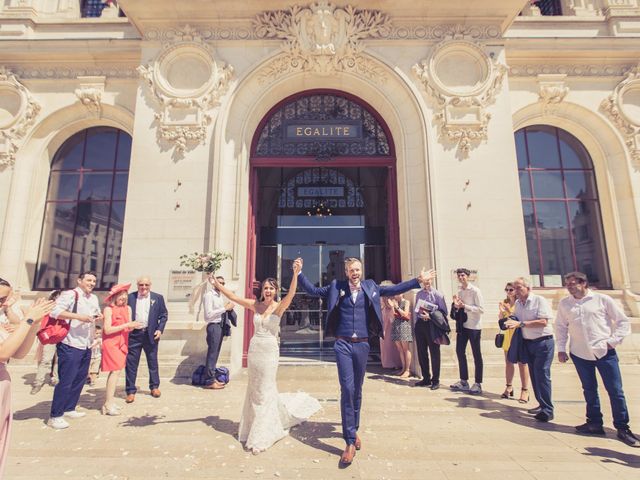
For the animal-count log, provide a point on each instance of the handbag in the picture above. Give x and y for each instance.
(499, 340)
(53, 330)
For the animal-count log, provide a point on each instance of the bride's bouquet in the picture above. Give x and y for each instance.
(208, 262)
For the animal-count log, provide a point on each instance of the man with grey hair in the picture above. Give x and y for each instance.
(149, 309)
(595, 326)
(533, 315)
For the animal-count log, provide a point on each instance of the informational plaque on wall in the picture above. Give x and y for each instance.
(182, 284)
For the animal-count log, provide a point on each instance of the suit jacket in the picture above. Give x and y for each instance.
(158, 313)
(337, 291)
(228, 318)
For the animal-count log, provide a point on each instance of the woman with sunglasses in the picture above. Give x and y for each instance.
(15, 342)
(506, 309)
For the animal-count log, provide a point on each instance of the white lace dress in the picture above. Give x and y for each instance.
(268, 415)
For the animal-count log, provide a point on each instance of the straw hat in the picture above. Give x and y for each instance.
(115, 290)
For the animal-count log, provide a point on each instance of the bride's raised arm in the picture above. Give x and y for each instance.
(286, 301)
(244, 302)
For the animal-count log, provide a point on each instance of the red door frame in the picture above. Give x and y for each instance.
(264, 162)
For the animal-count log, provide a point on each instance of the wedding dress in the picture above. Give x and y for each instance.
(268, 415)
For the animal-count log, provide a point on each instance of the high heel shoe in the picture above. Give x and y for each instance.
(110, 410)
(522, 398)
(508, 392)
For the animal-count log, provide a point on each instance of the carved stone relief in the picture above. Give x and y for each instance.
(322, 39)
(463, 81)
(187, 83)
(552, 89)
(90, 93)
(18, 111)
(623, 109)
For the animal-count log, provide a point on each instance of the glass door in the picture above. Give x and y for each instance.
(301, 328)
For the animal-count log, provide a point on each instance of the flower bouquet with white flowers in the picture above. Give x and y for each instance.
(208, 262)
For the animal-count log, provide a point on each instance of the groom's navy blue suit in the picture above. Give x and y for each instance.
(352, 323)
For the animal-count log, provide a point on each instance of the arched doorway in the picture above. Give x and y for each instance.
(323, 187)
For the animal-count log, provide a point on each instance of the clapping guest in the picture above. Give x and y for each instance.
(115, 341)
(468, 300)
(389, 355)
(401, 333)
(15, 344)
(507, 308)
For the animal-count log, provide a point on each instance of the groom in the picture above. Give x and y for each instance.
(354, 315)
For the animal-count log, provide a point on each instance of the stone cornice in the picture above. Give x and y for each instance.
(571, 70)
(66, 71)
(398, 30)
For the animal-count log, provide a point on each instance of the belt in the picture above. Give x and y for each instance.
(536, 340)
(353, 339)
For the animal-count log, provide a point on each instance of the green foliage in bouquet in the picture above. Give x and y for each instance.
(208, 262)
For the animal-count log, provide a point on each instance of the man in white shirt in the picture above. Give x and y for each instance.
(81, 309)
(215, 305)
(533, 314)
(469, 299)
(595, 325)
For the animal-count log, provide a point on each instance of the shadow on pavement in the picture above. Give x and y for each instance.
(312, 433)
(611, 456)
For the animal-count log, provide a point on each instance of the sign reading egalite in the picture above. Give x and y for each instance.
(318, 131)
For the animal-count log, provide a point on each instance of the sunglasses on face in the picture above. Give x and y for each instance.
(509, 289)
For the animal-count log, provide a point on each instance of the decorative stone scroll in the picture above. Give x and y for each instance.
(552, 89)
(623, 109)
(90, 93)
(463, 81)
(322, 38)
(18, 111)
(187, 82)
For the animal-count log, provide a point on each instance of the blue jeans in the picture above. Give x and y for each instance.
(73, 366)
(609, 371)
(351, 359)
(540, 357)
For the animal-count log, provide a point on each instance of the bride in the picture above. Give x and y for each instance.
(268, 415)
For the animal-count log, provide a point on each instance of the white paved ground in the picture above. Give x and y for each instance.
(407, 433)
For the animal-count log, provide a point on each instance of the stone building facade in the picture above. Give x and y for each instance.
(503, 136)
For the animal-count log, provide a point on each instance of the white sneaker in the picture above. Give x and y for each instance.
(74, 414)
(476, 389)
(461, 386)
(58, 423)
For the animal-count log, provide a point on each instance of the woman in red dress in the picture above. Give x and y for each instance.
(115, 341)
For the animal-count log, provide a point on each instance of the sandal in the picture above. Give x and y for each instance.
(522, 398)
(508, 392)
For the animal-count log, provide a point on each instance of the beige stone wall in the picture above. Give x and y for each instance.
(459, 204)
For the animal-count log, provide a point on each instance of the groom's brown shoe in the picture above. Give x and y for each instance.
(347, 455)
(358, 443)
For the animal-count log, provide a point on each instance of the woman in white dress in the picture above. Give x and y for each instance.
(268, 415)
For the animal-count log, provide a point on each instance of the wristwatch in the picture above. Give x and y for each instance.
(29, 321)
(522, 325)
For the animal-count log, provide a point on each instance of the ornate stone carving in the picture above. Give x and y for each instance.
(552, 89)
(90, 93)
(322, 38)
(463, 81)
(572, 70)
(73, 72)
(623, 109)
(18, 111)
(401, 29)
(187, 82)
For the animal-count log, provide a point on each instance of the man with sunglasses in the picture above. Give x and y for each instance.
(595, 325)
(149, 309)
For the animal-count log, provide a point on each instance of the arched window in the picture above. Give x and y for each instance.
(561, 207)
(84, 213)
